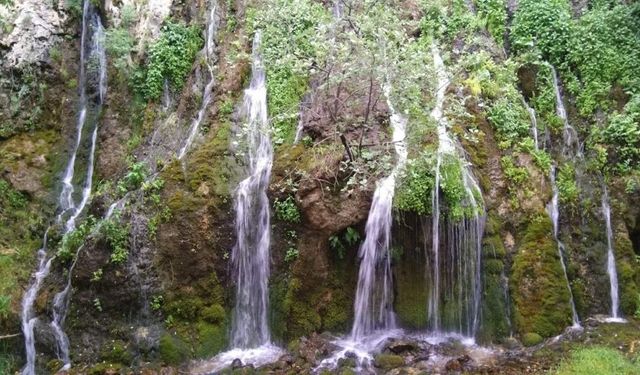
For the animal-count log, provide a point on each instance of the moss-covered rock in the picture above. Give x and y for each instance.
(538, 287)
(173, 350)
(531, 339)
(388, 361)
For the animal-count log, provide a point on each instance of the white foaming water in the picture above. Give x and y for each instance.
(259, 356)
(362, 349)
(374, 296)
(251, 254)
(570, 136)
(611, 260)
(534, 123)
(208, 52)
(554, 212)
(92, 54)
(460, 283)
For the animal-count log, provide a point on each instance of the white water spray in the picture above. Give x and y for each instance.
(554, 213)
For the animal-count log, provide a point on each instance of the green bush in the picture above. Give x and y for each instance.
(494, 15)
(623, 135)
(72, 241)
(510, 121)
(170, 57)
(544, 25)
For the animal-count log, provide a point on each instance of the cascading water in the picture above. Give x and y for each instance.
(374, 319)
(554, 214)
(534, 123)
(374, 296)
(208, 53)
(250, 335)
(611, 260)
(251, 254)
(571, 146)
(93, 70)
(454, 274)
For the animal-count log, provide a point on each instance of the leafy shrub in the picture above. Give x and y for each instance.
(171, 57)
(287, 210)
(605, 50)
(510, 122)
(623, 135)
(72, 241)
(117, 236)
(133, 179)
(494, 15)
(545, 25)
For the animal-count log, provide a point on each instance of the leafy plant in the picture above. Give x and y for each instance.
(134, 178)
(157, 302)
(287, 210)
(351, 236)
(96, 275)
(567, 187)
(72, 241)
(415, 185)
(292, 254)
(494, 15)
(170, 57)
(336, 245)
(116, 235)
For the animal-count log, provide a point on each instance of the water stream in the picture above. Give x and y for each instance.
(250, 335)
(209, 56)
(611, 260)
(554, 214)
(92, 91)
(454, 264)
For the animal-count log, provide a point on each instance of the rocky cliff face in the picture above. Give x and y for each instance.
(152, 284)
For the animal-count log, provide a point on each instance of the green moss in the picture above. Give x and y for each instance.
(212, 339)
(538, 287)
(388, 361)
(531, 339)
(411, 298)
(173, 350)
(105, 368)
(628, 274)
(116, 352)
(214, 314)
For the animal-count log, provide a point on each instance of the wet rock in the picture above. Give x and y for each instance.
(458, 364)
(399, 346)
(236, 364)
(511, 343)
(346, 362)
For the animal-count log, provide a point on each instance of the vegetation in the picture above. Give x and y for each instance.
(597, 360)
(170, 58)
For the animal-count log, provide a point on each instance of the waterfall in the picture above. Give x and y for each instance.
(534, 123)
(571, 145)
(251, 253)
(611, 260)
(453, 267)
(374, 296)
(208, 54)
(554, 214)
(93, 72)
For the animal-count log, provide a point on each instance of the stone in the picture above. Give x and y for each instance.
(236, 364)
(388, 361)
(402, 346)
